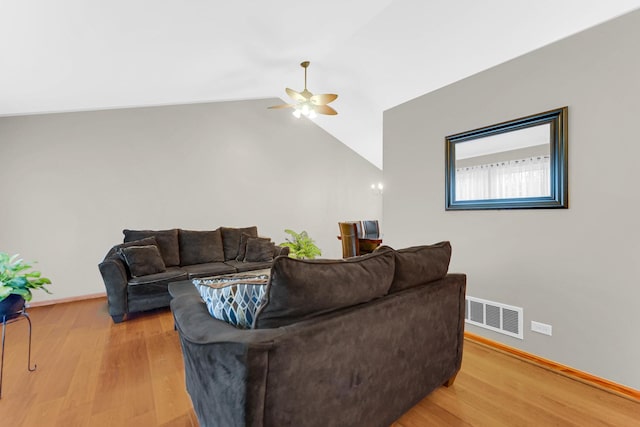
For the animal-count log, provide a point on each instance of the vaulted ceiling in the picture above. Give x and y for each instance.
(73, 55)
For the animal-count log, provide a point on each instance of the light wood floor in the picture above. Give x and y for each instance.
(94, 373)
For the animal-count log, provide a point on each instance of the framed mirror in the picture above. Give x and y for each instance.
(519, 164)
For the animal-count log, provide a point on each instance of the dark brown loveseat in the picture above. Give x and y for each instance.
(136, 273)
(353, 342)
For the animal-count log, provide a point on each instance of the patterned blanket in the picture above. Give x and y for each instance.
(234, 298)
(256, 277)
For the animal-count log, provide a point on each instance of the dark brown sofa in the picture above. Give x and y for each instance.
(353, 342)
(136, 273)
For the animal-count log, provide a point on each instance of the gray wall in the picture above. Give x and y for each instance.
(71, 182)
(576, 269)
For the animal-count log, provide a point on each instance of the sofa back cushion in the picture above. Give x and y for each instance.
(231, 240)
(420, 264)
(300, 289)
(167, 243)
(200, 247)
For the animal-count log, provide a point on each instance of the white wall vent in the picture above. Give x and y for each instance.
(495, 316)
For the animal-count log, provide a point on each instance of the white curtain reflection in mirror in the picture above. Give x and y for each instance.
(504, 166)
(519, 178)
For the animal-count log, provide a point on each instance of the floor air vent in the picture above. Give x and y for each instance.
(502, 318)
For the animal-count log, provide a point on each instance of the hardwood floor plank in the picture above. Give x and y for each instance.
(92, 372)
(182, 421)
(457, 401)
(40, 411)
(556, 367)
(503, 390)
(427, 414)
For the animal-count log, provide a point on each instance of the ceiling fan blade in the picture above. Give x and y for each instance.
(325, 109)
(323, 99)
(306, 103)
(295, 95)
(282, 106)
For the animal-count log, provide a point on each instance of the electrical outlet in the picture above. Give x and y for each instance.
(541, 328)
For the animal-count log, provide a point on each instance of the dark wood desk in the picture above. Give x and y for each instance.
(366, 246)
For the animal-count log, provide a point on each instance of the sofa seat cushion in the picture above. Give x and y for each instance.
(300, 289)
(420, 264)
(208, 269)
(167, 242)
(234, 298)
(172, 274)
(231, 240)
(199, 247)
(242, 266)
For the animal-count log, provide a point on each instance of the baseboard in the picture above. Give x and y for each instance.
(567, 371)
(65, 300)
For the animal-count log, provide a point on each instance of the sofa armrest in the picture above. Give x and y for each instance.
(197, 326)
(115, 280)
(225, 367)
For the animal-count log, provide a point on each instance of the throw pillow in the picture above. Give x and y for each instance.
(242, 250)
(167, 243)
(114, 251)
(231, 240)
(420, 264)
(259, 250)
(234, 298)
(143, 260)
(200, 247)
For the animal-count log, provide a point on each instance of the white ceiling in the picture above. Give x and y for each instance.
(72, 55)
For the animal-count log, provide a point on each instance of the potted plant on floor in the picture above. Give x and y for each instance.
(300, 245)
(16, 282)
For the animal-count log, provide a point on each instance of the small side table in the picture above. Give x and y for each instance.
(7, 319)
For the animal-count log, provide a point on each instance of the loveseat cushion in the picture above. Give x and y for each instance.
(167, 242)
(234, 298)
(208, 269)
(242, 266)
(199, 247)
(299, 289)
(142, 260)
(231, 239)
(420, 264)
(137, 285)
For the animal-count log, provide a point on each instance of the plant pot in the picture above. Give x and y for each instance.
(11, 307)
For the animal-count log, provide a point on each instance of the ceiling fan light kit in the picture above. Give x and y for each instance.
(307, 104)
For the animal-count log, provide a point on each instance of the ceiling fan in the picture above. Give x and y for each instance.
(308, 104)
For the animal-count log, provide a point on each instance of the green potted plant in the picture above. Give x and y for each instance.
(16, 282)
(300, 245)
